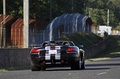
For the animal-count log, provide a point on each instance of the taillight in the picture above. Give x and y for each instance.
(35, 50)
(70, 49)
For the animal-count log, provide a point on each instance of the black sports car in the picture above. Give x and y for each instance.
(57, 53)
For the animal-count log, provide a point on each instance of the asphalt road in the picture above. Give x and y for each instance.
(106, 69)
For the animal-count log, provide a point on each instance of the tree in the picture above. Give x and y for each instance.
(97, 10)
(14, 7)
(42, 10)
(1, 6)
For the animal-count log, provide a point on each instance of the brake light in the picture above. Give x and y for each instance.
(70, 49)
(35, 50)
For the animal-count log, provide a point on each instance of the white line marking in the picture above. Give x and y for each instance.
(101, 73)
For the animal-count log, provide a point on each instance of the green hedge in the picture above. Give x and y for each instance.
(82, 38)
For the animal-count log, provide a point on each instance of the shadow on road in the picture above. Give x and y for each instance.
(58, 69)
(78, 70)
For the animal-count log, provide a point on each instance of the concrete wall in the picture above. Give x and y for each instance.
(21, 57)
(14, 57)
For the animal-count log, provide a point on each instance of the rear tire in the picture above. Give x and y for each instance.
(83, 64)
(78, 65)
(43, 67)
(82, 61)
(34, 68)
(75, 65)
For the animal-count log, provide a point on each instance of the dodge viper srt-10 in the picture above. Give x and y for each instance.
(57, 53)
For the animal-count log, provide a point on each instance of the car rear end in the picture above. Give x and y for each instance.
(54, 56)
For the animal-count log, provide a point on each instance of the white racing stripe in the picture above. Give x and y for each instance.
(57, 56)
(56, 48)
(47, 57)
(49, 52)
(47, 48)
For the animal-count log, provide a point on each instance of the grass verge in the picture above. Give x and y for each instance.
(3, 70)
(14, 68)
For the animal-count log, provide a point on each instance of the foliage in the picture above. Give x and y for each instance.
(1, 7)
(39, 9)
(79, 38)
(117, 28)
(14, 7)
(97, 10)
(46, 10)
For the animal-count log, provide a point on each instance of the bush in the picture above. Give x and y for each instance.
(82, 38)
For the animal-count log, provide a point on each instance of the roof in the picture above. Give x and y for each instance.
(33, 24)
(71, 23)
(8, 19)
(68, 20)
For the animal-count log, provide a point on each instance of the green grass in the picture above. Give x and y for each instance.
(14, 68)
(3, 70)
(88, 39)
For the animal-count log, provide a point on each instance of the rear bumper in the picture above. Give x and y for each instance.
(64, 59)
